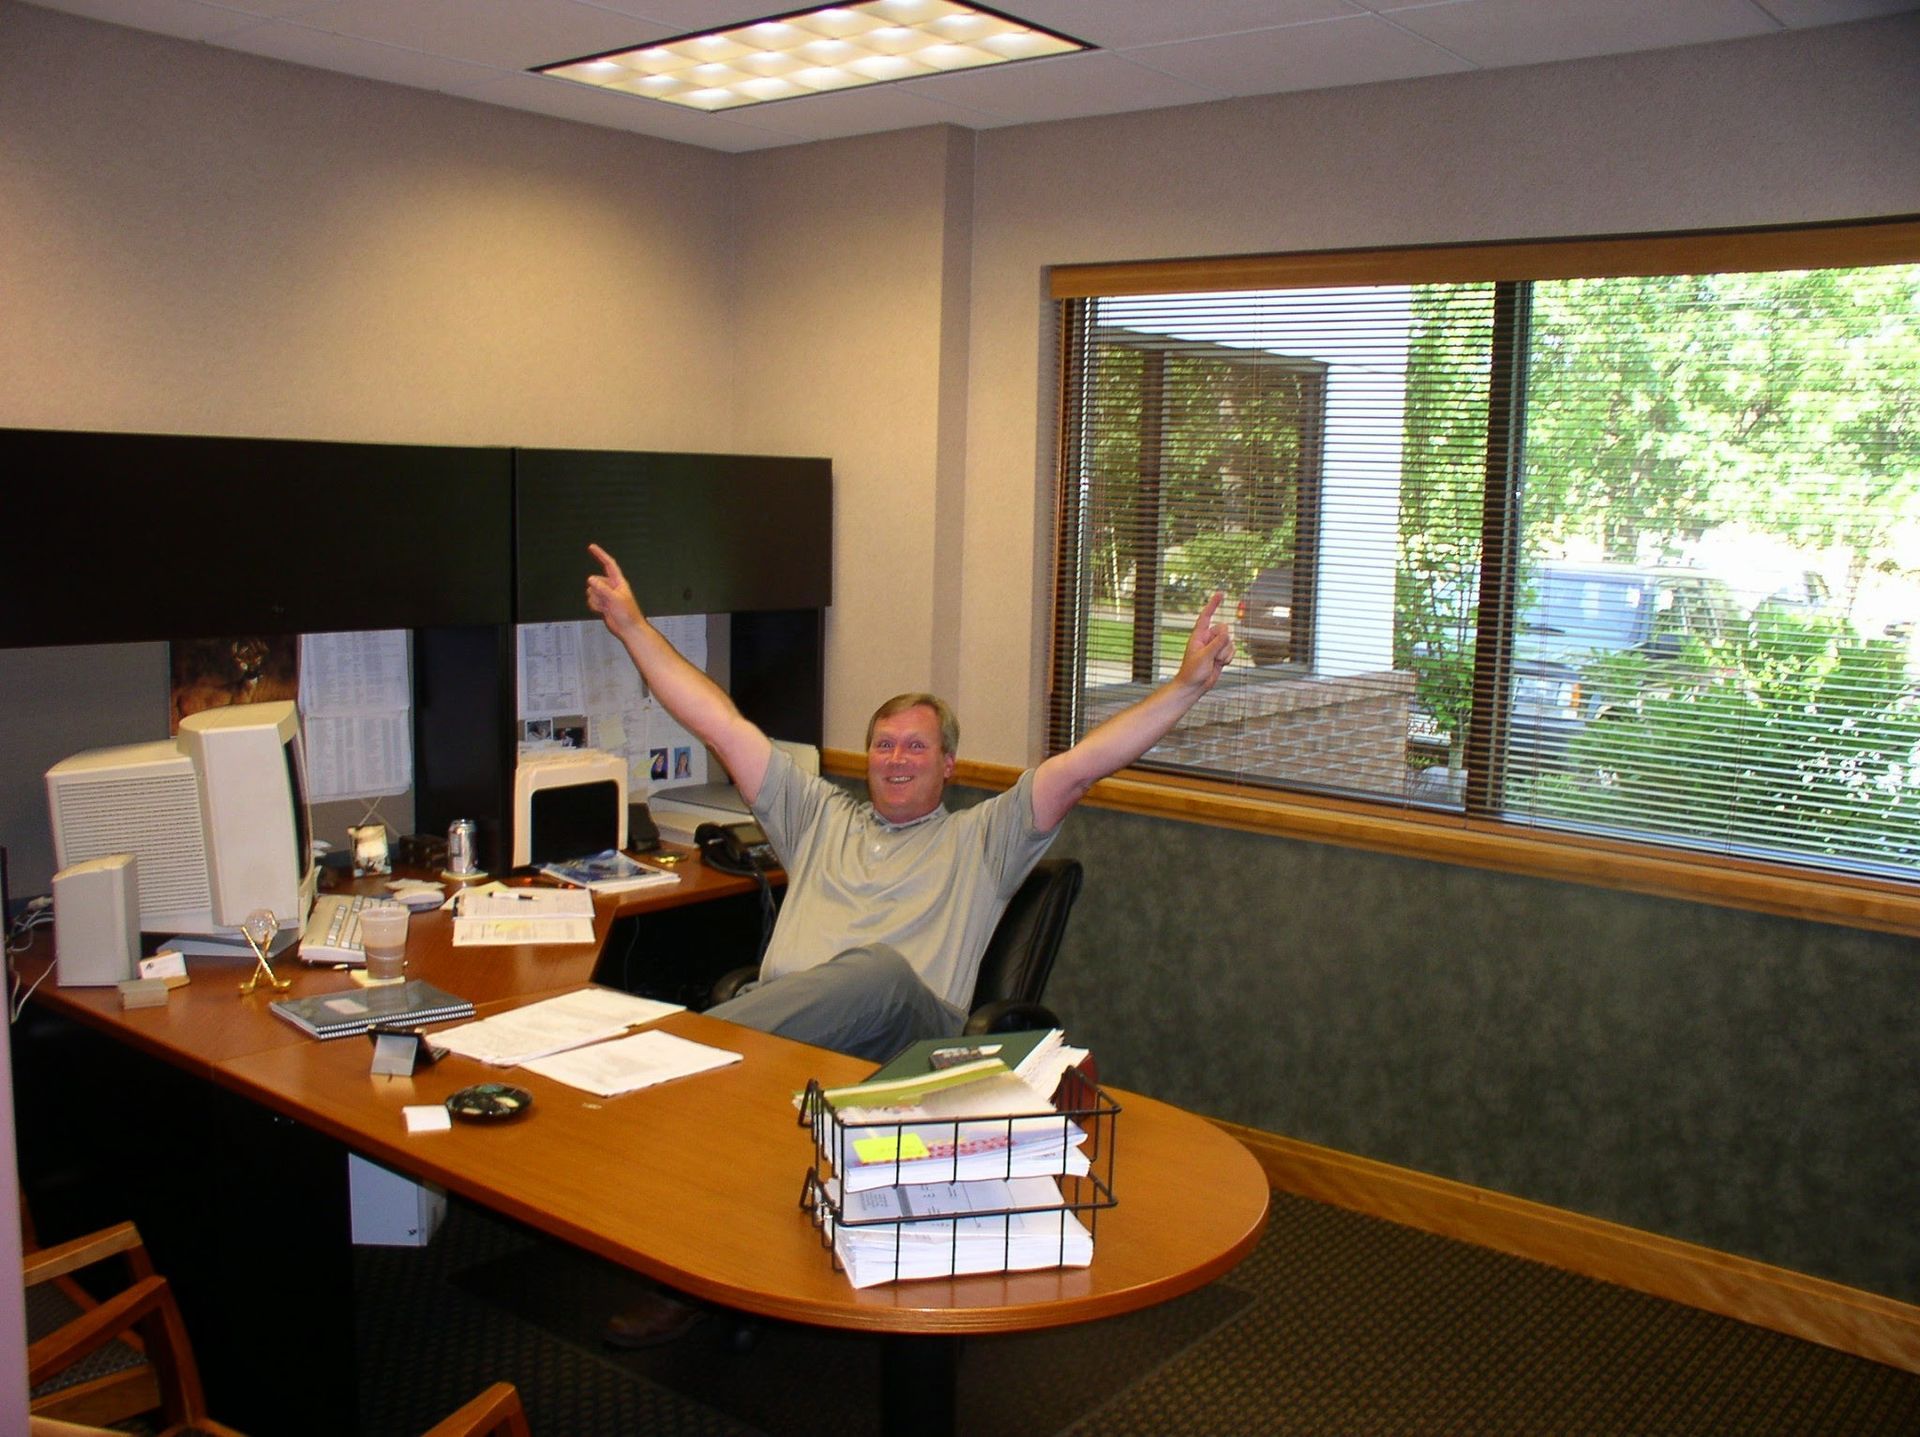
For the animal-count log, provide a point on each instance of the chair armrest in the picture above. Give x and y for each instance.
(729, 984)
(494, 1413)
(94, 1329)
(1009, 1015)
(44, 1264)
(38, 1426)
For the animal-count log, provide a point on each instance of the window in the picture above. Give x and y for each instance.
(1604, 541)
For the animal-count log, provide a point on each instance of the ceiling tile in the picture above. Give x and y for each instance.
(680, 17)
(1800, 13)
(1530, 32)
(1113, 24)
(326, 51)
(1100, 83)
(187, 19)
(515, 34)
(1359, 51)
(1156, 52)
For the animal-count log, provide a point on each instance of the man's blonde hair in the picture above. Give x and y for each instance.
(900, 703)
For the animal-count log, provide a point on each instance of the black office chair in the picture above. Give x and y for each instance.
(1019, 956)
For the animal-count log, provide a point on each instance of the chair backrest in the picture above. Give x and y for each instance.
(1020, 954)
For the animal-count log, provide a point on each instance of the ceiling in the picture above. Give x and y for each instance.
(1152, 53)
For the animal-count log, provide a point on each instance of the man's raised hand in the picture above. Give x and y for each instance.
(609, 595)
(1209, 648)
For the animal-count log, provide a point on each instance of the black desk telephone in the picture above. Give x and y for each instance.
(735, 847)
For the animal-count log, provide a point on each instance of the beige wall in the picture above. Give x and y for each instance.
(852, 343)
(196, 241)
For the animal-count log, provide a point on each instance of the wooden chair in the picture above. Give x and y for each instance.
(69, 1328)
(145, 1309)
(494, 1413)
(116, 1381)
(148, 1308)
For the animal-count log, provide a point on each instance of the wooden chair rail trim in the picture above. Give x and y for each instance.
(1880, 906)
(1814, 1309)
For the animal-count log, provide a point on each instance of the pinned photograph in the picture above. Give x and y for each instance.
(213, 673)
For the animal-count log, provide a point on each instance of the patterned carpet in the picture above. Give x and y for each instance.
(1337, 1323)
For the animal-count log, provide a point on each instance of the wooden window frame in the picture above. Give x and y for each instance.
(1853, 900)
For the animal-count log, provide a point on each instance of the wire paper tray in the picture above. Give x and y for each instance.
(914, 1198)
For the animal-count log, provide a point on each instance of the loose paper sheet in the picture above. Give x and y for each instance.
(356, 706)
(628, 1064)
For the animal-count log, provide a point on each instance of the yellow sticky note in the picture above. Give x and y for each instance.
(885, 1150)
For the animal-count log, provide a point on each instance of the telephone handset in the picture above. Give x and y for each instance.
(735, 848)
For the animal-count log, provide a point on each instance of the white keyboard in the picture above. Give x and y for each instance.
(332, 934)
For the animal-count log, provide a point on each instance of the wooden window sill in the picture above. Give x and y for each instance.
(1878, 905)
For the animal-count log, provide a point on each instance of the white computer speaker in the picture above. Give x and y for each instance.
(96, 921)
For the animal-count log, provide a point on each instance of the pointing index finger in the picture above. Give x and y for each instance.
(606, 561)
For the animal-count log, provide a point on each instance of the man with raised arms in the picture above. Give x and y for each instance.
(890, 903)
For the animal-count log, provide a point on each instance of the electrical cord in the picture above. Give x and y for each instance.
(37, 914)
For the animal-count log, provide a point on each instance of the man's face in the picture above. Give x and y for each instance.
(906, 769)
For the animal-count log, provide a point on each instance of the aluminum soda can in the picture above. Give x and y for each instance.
(462, 839)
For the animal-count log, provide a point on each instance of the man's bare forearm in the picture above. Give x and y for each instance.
(696, 701)
(1063, 780)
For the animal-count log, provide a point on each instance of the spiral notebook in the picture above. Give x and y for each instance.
(340, 1015)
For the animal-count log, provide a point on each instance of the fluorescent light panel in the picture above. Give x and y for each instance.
(813, 52)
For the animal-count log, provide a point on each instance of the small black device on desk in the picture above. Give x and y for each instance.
(643, 834)
(735, 848)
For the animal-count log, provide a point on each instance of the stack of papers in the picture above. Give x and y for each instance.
(495, 915)
(1028, 1229)
(552, 1025)
(976, 1121)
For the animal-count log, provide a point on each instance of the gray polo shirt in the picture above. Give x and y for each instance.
(932, 889)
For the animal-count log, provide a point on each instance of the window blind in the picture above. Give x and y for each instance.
(1613, 537)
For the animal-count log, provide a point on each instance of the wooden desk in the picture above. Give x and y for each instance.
(697, 1183)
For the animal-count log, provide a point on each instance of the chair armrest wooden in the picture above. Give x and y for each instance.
(47, 1263)
(494, 1413)
(38, 1426)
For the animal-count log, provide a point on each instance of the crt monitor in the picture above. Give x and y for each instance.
(217, 818)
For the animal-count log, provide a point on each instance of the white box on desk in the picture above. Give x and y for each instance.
(389, 1210)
